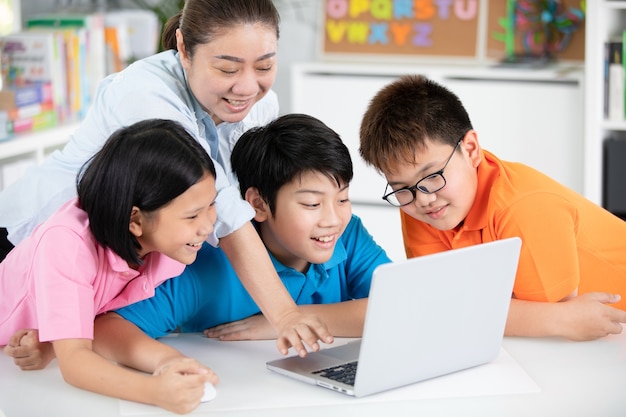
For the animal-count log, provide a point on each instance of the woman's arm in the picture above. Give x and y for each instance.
(254, 268)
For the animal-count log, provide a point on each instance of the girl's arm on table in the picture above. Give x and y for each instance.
(177, 388)
(123, 342)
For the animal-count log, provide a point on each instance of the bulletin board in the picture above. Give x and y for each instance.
(467, 30)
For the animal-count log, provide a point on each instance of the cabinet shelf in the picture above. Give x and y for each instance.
(39, 144)
(24, 150)
(613, 4)
(605, 19)
(614, 125)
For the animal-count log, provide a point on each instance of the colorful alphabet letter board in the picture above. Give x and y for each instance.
(480, 30)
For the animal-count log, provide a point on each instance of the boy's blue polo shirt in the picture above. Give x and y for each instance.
(208, 292)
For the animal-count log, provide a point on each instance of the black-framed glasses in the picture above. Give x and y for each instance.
(427, 185)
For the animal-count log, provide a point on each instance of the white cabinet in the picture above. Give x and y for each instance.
(533, 116)
(24, 150)
(605, 19)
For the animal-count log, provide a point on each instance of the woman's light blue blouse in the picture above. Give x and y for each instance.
(154, 87)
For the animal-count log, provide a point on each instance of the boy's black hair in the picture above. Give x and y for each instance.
(273, 155)
(404, 115)
(147, 165)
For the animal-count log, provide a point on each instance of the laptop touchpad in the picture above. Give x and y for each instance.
(348, 352)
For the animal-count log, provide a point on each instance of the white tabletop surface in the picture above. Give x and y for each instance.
(569, 379)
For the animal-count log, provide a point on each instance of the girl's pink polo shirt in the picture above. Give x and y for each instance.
(58, 279)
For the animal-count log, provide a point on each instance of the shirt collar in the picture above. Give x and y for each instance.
(118, 264)
(488, 172)
(339, 255)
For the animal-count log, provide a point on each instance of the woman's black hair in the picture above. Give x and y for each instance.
(200, 21)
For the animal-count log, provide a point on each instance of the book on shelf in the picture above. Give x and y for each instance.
(114, 61)
(25, 123)
(615, 78)
(138, 32)
(85, 51)
(30, 110)
(37, 57)
(43, 120)
(118, 33)
(13, 97)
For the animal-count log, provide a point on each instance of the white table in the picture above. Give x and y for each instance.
(575, 379)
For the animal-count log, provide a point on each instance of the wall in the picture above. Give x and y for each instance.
(297, 43)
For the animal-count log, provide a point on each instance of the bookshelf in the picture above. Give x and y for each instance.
(67, 50)
(36, 145)
(23, 150)
(604, 19)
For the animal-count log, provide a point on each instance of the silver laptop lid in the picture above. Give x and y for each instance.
(436, 314)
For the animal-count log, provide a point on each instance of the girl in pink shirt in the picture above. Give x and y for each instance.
(145, 204)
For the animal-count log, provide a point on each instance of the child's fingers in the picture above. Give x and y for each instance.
(295, 338)
(30, 339)
(16, 337)
(307, 328)
(188, 366)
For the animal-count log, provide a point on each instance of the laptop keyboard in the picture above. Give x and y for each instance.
(343, 373)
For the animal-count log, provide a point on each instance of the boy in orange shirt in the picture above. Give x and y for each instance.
(571, 279)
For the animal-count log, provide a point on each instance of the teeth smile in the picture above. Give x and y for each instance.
(236, 103)
(325, 239)
(195, 244)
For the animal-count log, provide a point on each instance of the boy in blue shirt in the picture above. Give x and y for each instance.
(295, 172)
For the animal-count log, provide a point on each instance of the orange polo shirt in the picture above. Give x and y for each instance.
(568, 242)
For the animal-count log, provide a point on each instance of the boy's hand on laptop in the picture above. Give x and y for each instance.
(588, 316)
(27, 351)
(295, 328)
(252, 328)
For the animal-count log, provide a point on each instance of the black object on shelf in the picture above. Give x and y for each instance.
(527, 61)
(614, 181)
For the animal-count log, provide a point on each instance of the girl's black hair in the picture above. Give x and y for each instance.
(146, 165)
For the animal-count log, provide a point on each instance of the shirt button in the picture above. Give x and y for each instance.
(145, 286)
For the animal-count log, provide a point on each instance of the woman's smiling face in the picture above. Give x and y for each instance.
(233, 71)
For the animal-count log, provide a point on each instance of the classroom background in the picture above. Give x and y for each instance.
(543, 81)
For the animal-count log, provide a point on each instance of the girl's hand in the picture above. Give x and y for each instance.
(180, 384)
(27, 351)
(187, 366)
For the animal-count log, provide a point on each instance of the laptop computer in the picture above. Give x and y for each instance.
(426, 317)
